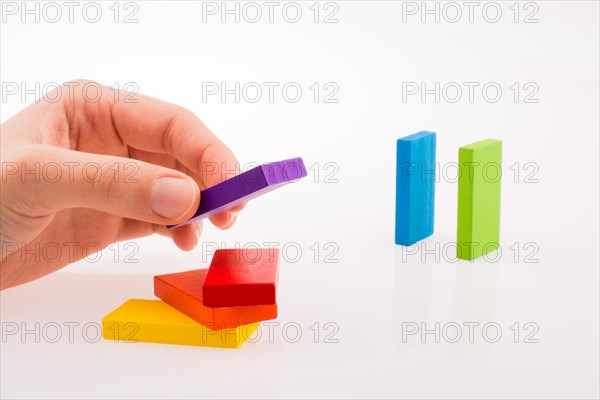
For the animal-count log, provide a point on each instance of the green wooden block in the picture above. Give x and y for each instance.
(480, 167)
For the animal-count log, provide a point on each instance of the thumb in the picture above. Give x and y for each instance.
(52, 178)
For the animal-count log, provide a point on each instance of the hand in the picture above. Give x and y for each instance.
(82, 172)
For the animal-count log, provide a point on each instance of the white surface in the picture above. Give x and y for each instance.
(374, 288)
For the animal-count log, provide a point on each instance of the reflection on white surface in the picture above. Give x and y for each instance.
(413, 285)
(474, 306)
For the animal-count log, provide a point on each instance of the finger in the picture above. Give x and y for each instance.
(187, 236)
(224, 220)
(239, 207)
(156, 126)
(119, 186)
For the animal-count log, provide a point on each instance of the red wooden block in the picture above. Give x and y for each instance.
(183, 291)
(242, 277)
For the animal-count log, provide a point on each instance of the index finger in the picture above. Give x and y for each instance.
(157, 126)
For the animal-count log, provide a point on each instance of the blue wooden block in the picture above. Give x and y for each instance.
(415, 187)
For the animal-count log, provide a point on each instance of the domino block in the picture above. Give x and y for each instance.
(156, 322)
(246, 186)
(478, 228)
(183, 291)
(241, 277)
(415, 187)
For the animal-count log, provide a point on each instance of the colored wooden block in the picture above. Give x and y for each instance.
(157, 322)
(183, 291)
(480, 168)
(246, 186)
(241, 277)
(415, 187)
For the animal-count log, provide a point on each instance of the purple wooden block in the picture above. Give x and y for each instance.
(246, 186)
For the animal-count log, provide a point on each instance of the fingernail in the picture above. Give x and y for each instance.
(172, 198)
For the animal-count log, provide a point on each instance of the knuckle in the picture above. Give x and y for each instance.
(22, 173)
(21, 163)
(86, 90)
(79, 82)
(106, 180)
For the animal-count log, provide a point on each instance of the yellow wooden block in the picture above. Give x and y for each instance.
(154, 321)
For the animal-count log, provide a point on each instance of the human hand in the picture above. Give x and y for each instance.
(77, 172)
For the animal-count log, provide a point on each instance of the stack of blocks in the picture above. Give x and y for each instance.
(479, 178)
(219, 307)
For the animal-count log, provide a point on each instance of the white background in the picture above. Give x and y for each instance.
(375, 289)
